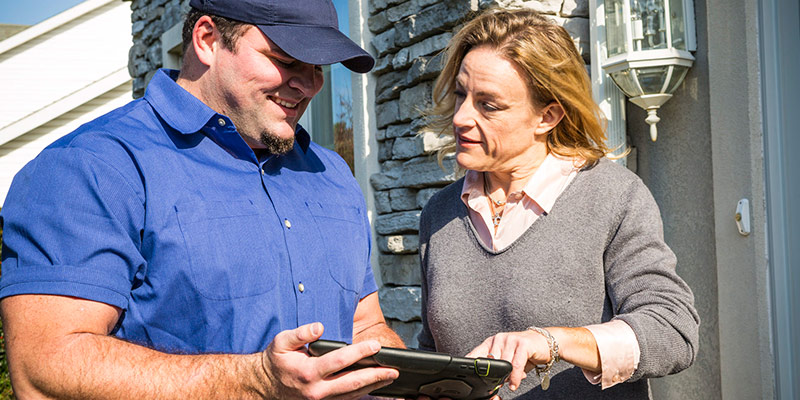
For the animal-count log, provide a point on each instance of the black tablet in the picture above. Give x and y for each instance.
(429, 373)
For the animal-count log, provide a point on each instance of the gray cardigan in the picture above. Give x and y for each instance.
(598, 255)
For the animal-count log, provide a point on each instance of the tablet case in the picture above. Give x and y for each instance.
(429, 373)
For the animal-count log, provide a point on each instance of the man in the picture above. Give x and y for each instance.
(191, 243)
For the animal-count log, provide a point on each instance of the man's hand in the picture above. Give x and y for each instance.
(293, 374)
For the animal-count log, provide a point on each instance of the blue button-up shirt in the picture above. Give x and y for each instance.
(161, 209)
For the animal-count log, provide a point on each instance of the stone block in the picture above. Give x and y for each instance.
(407, 147)
(387, 113)
(383, 203)
(403, 303)
(378, 5)
(425, 68)
(399, 244)
(383, 65)
(138, 27)
(395, 131)
(389, 86)
(380, 135)
(400, 60)
(430, 45)
(400, 11)
(384, 42)
(389, 177)
(408, 331)
(400, 270)
(424, 195)
(154, 54)
(575, 8)
(431, 20)
(432, 142)
(403, 199)
(385, 150)
(415, 100)
(419, 172)
(397, 222)
(552, 7)
(425, 171)
(378, 23)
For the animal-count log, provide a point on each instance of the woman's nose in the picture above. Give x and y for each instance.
(463, 117)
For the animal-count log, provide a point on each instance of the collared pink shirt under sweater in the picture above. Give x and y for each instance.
(616, 341)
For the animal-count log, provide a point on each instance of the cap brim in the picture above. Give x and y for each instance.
(319, 46)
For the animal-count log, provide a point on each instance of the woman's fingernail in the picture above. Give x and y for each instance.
(512, 387)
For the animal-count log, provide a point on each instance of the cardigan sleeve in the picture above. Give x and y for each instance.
(645, 290)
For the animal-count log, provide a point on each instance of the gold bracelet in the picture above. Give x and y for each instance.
(544, 372)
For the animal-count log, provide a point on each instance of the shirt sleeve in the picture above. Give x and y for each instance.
(619, 353)
(71, 227)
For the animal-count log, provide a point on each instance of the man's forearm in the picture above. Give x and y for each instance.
(380, 332)
(100, 367)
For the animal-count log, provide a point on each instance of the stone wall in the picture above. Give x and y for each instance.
(150, 18)
(409, 35)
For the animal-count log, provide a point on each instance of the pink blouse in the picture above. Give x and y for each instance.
(616, 341)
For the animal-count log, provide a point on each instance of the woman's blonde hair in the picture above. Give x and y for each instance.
(552, 67)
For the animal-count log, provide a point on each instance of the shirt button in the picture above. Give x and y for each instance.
(262, 171)
(221, 122)
(301, 288)
(288, 226)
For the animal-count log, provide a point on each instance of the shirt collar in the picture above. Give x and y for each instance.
(544, 186)
(184, 112)
(180, 109)
(549, 180)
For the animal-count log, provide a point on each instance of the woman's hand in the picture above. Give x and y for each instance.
(522, 349)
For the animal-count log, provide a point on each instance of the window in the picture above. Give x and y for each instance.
(329, 117)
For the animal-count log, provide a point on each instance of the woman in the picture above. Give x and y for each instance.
(546, 253)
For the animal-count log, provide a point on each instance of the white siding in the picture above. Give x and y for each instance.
(63, 61)
(16, 153)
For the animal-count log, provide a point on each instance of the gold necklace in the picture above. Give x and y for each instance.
(492, 203)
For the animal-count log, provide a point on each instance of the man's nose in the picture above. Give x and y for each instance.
(307, 78)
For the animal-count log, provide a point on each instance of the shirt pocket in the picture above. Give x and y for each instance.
(342, 226)
(227, 249)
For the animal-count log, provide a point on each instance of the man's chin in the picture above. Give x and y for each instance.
(275, 144)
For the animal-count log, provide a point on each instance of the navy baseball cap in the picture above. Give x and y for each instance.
(307, 30)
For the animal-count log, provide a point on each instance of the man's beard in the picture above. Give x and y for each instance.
(276, 145)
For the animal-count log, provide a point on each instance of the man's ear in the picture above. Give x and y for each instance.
(204, 40)
(552, 114)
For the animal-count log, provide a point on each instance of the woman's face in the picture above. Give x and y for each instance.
(496, 125)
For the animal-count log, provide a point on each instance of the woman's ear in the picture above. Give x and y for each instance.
(551, 116)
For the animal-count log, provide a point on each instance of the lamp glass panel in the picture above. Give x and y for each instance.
(678, 73)
(626, 82)
(652, 79)
(677, 20)
(649, 24)
(615, 27)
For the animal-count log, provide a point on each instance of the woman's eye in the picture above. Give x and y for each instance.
(459, 94)
(488, 107)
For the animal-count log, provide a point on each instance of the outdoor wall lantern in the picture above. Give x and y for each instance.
(649, 44)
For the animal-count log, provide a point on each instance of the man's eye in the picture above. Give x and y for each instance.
(284, 63)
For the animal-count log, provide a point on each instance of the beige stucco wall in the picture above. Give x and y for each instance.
(707, 157)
